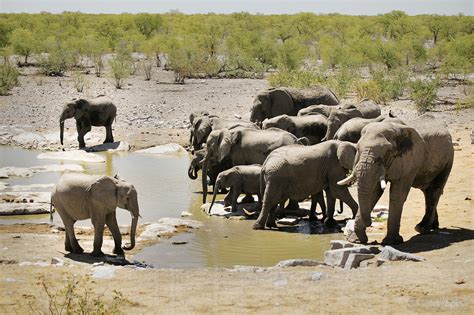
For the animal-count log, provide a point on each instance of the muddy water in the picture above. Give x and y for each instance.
(165, 191)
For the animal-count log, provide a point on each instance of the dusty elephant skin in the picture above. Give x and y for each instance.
(299, 171)
(80, 197)
(280, 101)
(420, 156)
(97, 112)
(312, 127)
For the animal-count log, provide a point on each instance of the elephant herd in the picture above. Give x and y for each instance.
(299, 143)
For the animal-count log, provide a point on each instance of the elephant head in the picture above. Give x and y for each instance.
(386, 152)
(283, 122)
(196, 163)
(108, 193)
(225, 179)
(271, 103)
(201, 128)
(77, 109)
(337, 118)
(219, 145)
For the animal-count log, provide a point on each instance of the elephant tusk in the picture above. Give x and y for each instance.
(347, 181)
(383, 184)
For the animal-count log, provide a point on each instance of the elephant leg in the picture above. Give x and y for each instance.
(270, 200)
(235, 196)
(343, 194)
(98, 222)
(271, 219)
(70, 244)
(82, 130)
(111, 222)
(317, 198)
(398, 194)
(109, 138)
(248, 199)
(292, 205)
(431, 202)
(228, 198)
(258, 207)
(328, 219)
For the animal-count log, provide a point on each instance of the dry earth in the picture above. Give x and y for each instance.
(444, 283)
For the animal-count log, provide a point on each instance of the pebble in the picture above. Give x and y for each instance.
(317, 276)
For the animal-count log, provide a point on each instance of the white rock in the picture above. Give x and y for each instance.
(181, 222)
(318, 276)
(4, 186)
(338, 257)
(349, 231)
(170, 148)
(103, 272)
(390, 253)
(27, 139)
(16, 171)
(57, 168)
(119, 146)
(3, 173)
(155, 230)
(218, 209)
(186, 214)
(298, 262)
(31, 187)
(23, 208)
(288, 221)
(25, 197)
(354, 260)
(57, 262)
(338, 244)
(73, 155)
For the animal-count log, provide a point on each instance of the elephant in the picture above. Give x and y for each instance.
(203, 126)
(99, 111)
(419, 154)
(312, 127)
(243, 146)
(278, 101)
(214, 168)
(351, 129)
(365, 109)
(241, 179)
(192, 117)
(324, 110)
(299, 171)
(78, 196)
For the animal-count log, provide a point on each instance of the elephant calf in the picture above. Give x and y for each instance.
(79, 197)
(241, 179)
(99, 111)
(312, 127)
(297, 171)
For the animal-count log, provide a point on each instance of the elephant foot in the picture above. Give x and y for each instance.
(422, 229)
(392, 240)
(77, 250)
(248, 199)
(234, 209)
(97, 253)
(223, 191)
(361, 236)
(271, 224)
(108, 141)
(258, 226)
(292, 205)
(313, 218)
(227, 203)
(119, 251)
(330, 222)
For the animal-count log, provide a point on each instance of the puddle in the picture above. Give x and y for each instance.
(164, 190)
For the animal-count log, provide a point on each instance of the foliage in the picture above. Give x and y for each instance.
(342, 81)
(423, 93)
(298, 79)
(468, 101)
(58, 60)
(77, 297)
(383, 86)
(80, 81)
(147, 66)
(8, 78)
(23, 42)
(121, 69)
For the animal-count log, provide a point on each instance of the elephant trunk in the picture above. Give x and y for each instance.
(216, 189)
(192, 172)
(205, 165)
(61, 131)
(331, 131)
(133, 228)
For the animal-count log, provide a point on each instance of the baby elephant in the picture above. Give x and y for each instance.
(241, 179)
(80, 197)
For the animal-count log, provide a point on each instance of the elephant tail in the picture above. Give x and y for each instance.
(51, 211)
(303, 141)
(262, 183)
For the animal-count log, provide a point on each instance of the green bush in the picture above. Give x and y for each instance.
(80, 81)
(423, 93)
(342, 81)
(121, 69)
(298, 79)
(468, 101)
(58, 61)
(384, 86)
(8, 78)
(371, 90)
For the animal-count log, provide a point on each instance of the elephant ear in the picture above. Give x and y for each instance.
(287, 124)
(281, 103)
(82, 107)
(202, 128)
(103, 193)
(346, 153)
(226, 140)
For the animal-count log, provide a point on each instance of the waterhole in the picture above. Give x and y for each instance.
(164, 190)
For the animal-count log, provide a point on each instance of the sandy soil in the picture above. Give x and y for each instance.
(444, 283)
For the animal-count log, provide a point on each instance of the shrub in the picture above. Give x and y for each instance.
(8, 78)
(80, 81)
(147, 66)
(467, 102)
(298, 79)
(423, 94)
(370, 89)
(342, 81)
(58, 61)
(121, 70)
(383, 86)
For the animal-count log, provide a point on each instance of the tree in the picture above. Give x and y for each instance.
(147, 24)
(23, 42)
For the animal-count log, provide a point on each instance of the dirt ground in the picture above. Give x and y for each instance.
(444, 283)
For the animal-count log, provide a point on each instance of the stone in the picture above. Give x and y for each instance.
(16, 171)
(118, 146)
(57, 168)
(349, 231)
(380, 262)
(4, 186)
(25, 196)
(186, 214)
(27, 139)
(298, 262)
(103, 272)
(390, 253)
(218, 209)
(23, 208)
(3, 173)
(154, 230)
(288, 221)
(73, 155)
(338, 244)
(181, 222)
(170, 148)
(57, 262)
(338, 257)
(18, 188)
(354, 260)
(317, 276)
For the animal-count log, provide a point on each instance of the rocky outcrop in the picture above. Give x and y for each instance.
(170, 148)
(73, 155)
